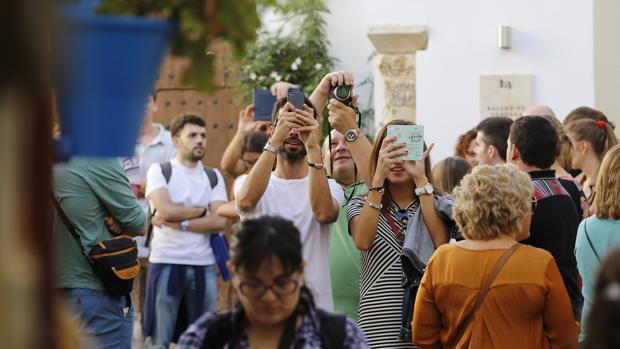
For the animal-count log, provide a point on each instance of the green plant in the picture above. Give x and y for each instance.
(301, 57)
(199, 22)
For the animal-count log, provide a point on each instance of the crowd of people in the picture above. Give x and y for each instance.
(340, 243)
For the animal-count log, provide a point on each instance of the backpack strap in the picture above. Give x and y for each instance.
(166, 170)
(333, 329)
(212, 175)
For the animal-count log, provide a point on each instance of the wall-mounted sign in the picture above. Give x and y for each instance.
(505, 95)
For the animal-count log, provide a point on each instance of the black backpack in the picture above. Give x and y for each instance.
(332, 330)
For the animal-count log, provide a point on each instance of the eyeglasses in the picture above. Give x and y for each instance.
(534, 202)
(283, 286)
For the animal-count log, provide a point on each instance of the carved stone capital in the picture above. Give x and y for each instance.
(395, 64)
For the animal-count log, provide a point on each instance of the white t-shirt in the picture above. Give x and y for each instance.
(189, 187)
(290, 199)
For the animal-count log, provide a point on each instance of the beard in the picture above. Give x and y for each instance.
(293, 155)
(194, 157)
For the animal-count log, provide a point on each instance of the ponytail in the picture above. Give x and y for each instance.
(599, 133)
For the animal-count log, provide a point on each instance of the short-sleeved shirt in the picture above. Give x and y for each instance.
(344, 258)
(290, 199)
(188, 187)
(381, 291)
(604, 235)
(88, 190)
(526, 306)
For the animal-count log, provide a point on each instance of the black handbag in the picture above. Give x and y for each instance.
(114, 261)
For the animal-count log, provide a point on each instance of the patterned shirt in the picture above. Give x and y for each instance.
(308, 335)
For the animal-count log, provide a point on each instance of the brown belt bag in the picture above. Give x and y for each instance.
(114, 261)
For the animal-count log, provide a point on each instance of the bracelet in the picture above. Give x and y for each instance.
(379, 190)
(375, 206)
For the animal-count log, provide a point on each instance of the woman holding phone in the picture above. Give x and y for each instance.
(378, 225)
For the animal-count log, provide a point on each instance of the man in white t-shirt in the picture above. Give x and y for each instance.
(182, 263)
(298, 189)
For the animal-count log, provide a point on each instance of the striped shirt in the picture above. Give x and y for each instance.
(381, 292)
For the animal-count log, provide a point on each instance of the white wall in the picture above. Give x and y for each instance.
(551, 40)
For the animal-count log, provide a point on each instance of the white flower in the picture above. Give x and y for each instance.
(298, 61)
(318, 66)
(253, 76)
(273, 74)
(261, 78)
(294, 66)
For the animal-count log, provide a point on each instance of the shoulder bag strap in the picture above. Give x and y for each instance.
(390, 220)
(590, 241)
(68, 224)
(486, 286)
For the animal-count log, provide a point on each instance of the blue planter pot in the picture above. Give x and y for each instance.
(105, 69)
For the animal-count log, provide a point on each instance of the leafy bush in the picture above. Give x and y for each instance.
(301, 58)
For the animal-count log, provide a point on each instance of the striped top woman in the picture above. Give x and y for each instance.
(378, 224)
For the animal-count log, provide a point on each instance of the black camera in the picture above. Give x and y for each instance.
(343, 94)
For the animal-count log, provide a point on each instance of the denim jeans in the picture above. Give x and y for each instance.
(106, 321)
(167, 306)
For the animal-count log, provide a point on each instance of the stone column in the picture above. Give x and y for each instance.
(394, 70)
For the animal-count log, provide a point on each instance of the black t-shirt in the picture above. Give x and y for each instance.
(554, 228)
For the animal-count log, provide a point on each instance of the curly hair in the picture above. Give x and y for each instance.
(608, 186)
(462, 144)
(491, 201)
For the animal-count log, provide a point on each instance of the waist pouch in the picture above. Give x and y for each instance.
(115, 262)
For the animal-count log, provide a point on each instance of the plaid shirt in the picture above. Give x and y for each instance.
(308, 335)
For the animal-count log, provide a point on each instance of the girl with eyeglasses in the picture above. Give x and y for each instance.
(275, 308)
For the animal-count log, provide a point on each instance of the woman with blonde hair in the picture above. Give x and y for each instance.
(401, 191)
(488, 291)
(600, 233)
(590, 141)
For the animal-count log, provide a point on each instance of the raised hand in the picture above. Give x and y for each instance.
(310, 133)
(417, 168)
(333, 79)
(280, 89)
(342, 117)
(287, 121)
(387, 157)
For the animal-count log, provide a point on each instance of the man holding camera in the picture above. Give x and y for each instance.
(298, 188)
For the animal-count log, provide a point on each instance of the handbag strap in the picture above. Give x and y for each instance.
(68, 224)
(484, 290)
(590, 241)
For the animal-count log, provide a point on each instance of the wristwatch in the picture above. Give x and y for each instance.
(426, 189)
(184, 224)
(318, 165)
(270, 148)
(351, 135)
